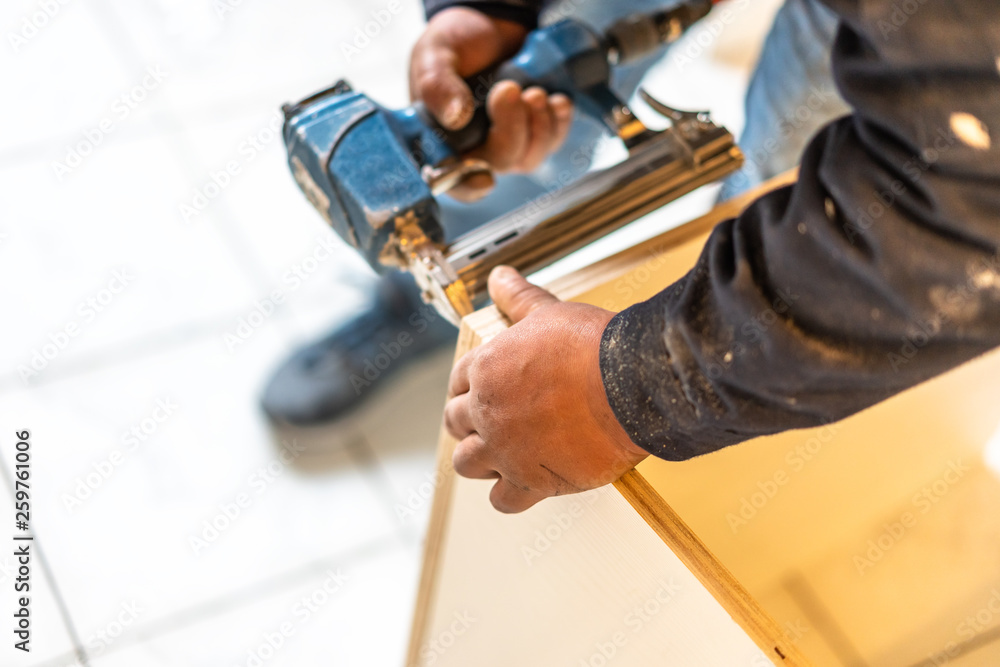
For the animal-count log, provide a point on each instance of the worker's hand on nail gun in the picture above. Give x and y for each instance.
(526, 125)
(529, 409)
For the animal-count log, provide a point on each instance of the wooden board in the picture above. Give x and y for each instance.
(789, 514)
(585, 597)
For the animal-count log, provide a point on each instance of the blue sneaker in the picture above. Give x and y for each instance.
(326, 380)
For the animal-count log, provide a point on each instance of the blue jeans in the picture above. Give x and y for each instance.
(791, 95)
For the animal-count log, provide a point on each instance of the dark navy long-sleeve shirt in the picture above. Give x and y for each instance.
(878, 270)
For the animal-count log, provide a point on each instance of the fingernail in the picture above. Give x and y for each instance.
(536, 97)
(454, 114)
(504, 273)
(507, 91)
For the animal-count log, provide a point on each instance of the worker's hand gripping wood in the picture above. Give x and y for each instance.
(529, 408)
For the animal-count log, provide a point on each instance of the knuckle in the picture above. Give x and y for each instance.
(506, 497)
(449, 419)
(460, 461)
(523, 292)
(481, 364)
(500, 157)
(531, 162)
(499, 507)
(502, 505)
(428, 82)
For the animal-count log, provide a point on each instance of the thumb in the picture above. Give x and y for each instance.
(514, 295)
(436, 82)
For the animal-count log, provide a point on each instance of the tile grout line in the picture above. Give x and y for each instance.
(145, 344)
(16, 155)
(186, 157)
(970, 646)
(49, 576)
(220, 605)
(138, 347)
(374, 472)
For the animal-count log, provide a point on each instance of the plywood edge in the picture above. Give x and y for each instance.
(713, 575)
(437, 525)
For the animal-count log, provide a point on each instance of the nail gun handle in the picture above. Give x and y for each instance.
(476, 131)
(566, 57)
(459, 141)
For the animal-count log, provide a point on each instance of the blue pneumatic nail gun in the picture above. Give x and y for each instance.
(374, 173)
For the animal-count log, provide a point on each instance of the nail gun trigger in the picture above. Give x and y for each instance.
(678, 116)
(444, 177)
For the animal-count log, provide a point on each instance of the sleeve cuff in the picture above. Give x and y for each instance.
(644, 391)
(525, 13)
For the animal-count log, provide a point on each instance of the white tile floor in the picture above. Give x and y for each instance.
(124, 582)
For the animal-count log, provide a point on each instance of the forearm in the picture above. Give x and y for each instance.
(877, 271)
